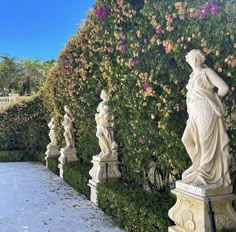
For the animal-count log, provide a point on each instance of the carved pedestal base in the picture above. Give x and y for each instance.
(67, 155)
(102, 171)
(52, 151)
(191, 212)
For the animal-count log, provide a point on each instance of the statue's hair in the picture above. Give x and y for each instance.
(199, 56)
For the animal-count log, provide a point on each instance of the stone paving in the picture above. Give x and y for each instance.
(33, 199)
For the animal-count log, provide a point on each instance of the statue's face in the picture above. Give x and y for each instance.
(190, 58)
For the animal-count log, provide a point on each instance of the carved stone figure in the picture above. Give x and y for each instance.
(205, 136)
(68, 128)
(105, 128)
(51, 134)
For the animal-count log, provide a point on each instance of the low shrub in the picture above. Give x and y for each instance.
(53, 164)
(38, 156)
(12, 156)
(134, 209)
(77, 176)
(20, 155)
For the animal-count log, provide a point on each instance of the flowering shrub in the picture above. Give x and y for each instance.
(136, 50)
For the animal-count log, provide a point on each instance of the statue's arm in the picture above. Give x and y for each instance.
(217, 81)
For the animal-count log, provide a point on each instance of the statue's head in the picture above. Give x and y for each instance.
(104, 95)
(66, 108)
(195, 58)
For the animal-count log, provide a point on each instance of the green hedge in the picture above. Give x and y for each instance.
(19, 155)
(24, 127)
(134, 209)
(53, 164)
(77, 175)
(12, 156)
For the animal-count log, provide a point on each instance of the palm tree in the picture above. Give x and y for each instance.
(9, 73)
(34, 73)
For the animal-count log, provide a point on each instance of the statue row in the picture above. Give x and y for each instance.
(104, 133)
(205, 136)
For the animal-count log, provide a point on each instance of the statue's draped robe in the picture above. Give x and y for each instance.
(210, 156)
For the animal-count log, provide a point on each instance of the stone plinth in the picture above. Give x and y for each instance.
(103, 171)
(52, 151)
(68, 155)
(191, 211)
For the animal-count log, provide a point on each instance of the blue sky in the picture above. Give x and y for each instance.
(39, 29)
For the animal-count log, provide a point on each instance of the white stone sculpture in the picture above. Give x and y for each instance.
(51, 134)
(206, 142)
(105, 128)
(68, 128)
(205, 136)
(52, 148)
(105, 165)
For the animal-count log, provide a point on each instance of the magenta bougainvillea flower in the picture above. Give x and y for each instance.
(141, 140)
(158, 30)
(136, 62)
(102, 12)
(208, 8)
(145, 85)
(122, 48)
(122, 35)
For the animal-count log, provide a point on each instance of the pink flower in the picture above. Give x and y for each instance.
(181, 17)
(110, 49)
(141, 140)
(133, 62)
(102, 12)
(122, 48)
(122, 35)
(136, 62)
(145, 85)
(158, 30)
(167, 15)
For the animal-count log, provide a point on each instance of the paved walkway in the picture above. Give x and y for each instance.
(33, 199)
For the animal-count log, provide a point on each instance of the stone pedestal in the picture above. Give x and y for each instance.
(104, 170)
(67, 155)
(191, 211)
(52, 151)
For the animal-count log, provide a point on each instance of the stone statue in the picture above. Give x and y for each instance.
(205, 136)
(68, 128)
(105, 128)
(51, 134)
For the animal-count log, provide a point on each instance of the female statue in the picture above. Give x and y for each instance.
(51, 134)
(205, 137)
(68, 127)
(104, 127)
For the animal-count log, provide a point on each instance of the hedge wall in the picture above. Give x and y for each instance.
(134, 209)
(77, 175)
(136, 50)
(23, 129)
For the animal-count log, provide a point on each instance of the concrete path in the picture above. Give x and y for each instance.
(33, 199)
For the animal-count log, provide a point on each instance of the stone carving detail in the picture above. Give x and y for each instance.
(185, 219)
(191, 212)
(181, 214)
(205, 136)
(223, 222)
(68, 128)
(105, 129)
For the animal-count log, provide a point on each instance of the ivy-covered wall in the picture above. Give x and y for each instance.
(136, 50)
